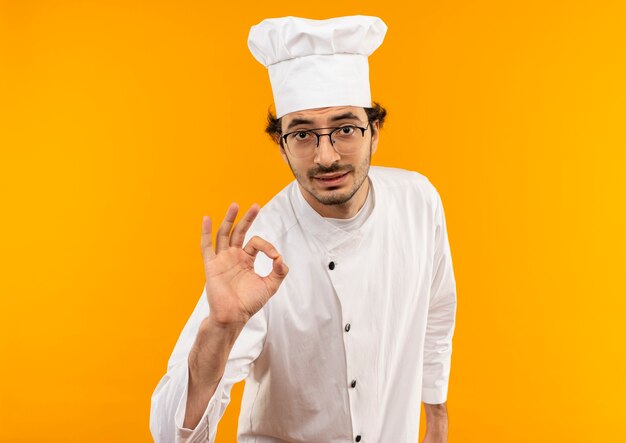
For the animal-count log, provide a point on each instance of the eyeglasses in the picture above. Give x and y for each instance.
(345, 139)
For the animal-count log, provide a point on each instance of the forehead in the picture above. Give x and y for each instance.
(323, 116)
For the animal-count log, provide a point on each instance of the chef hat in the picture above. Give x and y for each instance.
(317, 63)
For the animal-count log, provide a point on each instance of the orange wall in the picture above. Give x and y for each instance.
(123, 122)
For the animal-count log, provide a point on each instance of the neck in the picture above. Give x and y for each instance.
(345, 210)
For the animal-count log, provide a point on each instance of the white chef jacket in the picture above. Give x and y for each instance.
(356, 337)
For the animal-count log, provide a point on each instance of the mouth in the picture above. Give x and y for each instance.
(331, 179)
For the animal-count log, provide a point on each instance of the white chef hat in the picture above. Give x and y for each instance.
(317, 63)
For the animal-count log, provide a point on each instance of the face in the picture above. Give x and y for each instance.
(328, 177)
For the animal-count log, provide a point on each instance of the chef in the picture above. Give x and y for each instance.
(336, 301)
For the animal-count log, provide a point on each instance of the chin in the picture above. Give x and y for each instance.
(333, 200)
(333, 197)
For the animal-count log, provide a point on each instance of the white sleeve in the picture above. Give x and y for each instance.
(169, 399)
(441, 316)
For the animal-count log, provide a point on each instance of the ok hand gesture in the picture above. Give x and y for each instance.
(234, 291)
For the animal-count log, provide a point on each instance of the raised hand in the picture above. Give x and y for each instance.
(234, 291)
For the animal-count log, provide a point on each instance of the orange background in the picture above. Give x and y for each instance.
(123, 122)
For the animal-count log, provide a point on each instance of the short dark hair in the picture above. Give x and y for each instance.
(275, 130)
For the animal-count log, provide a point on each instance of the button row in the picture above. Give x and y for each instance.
(331, 266)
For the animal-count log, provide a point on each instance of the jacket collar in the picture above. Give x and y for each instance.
(334, 239)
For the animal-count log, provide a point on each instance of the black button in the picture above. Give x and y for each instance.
(358, 438)
(347, 328)
(353, 384)
(331, 265)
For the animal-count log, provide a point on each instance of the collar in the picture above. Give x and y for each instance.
(334, 239)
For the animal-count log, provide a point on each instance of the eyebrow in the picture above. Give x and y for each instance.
(302, 121)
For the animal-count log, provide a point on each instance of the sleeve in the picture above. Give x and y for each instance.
(169, 399)
(441, 316)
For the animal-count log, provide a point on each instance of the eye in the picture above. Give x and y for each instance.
(346, 130)
(300, 135)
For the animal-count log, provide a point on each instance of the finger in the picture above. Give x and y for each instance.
(221, 239)
(239, 232)
(256, 244)
(206, 244)
(278, 274)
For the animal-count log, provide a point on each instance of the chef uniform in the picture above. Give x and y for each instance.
(360, 331)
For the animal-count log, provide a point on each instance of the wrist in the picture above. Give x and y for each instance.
(436, 412)
(211, 324)
(209, 353)
(436, 421)
(216, 339)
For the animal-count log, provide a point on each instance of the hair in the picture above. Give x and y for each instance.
(274, 128)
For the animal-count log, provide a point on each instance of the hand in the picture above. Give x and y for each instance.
(234, 291)
(435, 438)
(436, 423)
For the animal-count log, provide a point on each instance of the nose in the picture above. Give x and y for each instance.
(325, 154)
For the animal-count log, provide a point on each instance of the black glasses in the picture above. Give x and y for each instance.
(345, 139)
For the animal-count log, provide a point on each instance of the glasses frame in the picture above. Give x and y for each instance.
(334, 129)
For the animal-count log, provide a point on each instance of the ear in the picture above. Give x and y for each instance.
(375, 132)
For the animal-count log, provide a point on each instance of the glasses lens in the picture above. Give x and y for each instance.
(347, 139)
(301, 143)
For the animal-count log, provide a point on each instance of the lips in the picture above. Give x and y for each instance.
(330, 181)
(330, 176)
